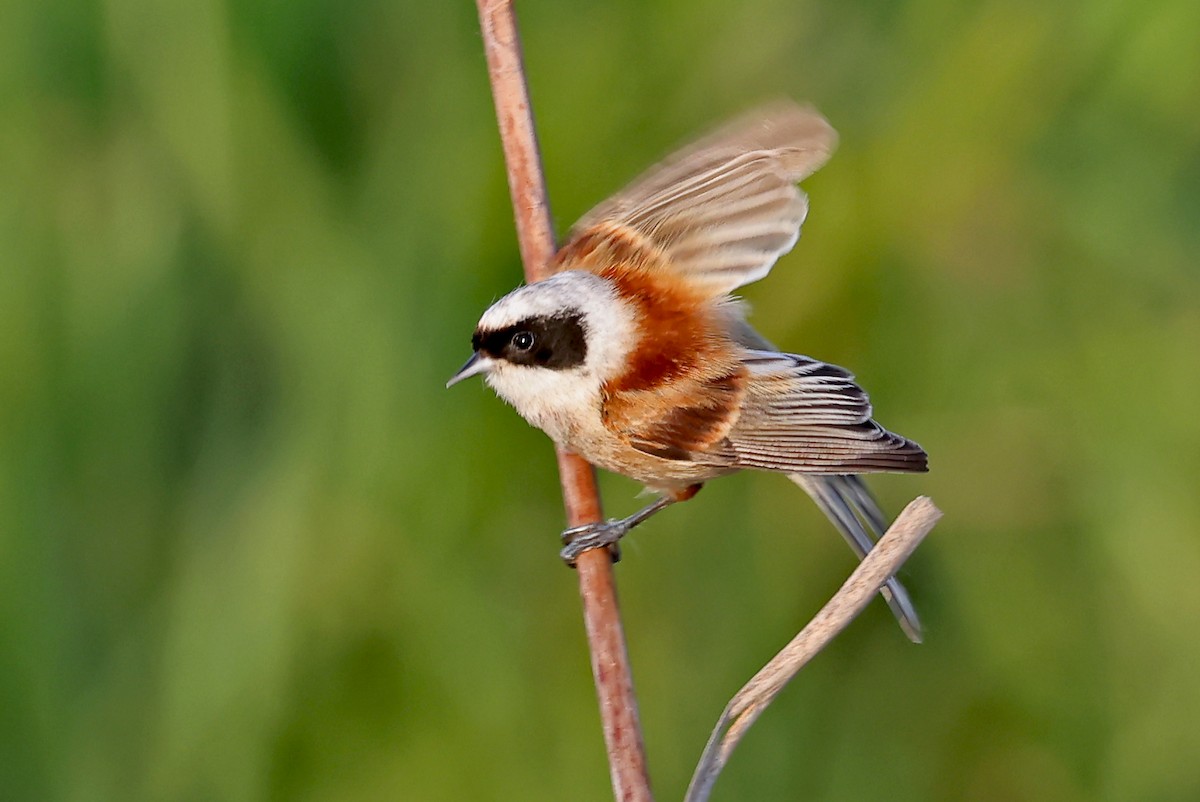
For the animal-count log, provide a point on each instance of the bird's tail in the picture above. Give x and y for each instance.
(847, 502)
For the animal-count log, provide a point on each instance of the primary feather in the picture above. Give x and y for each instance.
(802, 415)
(722, 211)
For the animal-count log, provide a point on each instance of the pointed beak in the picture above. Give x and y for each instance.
(476, 364)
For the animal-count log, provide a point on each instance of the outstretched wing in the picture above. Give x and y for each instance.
(799, 415)
(719, 212)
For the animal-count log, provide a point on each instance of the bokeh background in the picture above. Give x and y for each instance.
(251, 549)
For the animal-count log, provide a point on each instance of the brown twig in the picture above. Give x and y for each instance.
(902, 537)
(535, 233)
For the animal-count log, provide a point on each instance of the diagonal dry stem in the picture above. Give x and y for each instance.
(902, 537)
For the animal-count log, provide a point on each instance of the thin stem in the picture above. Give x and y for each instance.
(902, 537)
(535, 233)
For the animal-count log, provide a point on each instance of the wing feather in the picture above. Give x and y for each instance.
(721, 211)
(805, 416)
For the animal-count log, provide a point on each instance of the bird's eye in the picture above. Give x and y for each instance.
(522, 340)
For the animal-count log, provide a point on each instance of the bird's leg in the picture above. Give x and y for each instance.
(579, 539)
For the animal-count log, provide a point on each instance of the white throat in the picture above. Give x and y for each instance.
(561, 401)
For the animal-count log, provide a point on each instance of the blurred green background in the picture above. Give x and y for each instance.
(251, 549)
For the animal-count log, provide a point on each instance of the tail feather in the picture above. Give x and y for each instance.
(849, 505)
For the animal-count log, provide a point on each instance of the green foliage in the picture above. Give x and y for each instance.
(250, 548)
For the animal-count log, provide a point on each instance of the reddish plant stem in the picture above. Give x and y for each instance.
(535, 233)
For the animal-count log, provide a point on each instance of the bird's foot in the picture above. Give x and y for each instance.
(579, 539)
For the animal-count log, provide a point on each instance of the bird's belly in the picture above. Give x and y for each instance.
(587, 436)
(607, 451)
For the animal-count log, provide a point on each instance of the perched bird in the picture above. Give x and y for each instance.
(634, 355)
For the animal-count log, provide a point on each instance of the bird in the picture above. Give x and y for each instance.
(634, 354)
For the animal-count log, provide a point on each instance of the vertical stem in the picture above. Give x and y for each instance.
(535, 233)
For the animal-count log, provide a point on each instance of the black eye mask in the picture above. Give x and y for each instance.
(557, 342)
